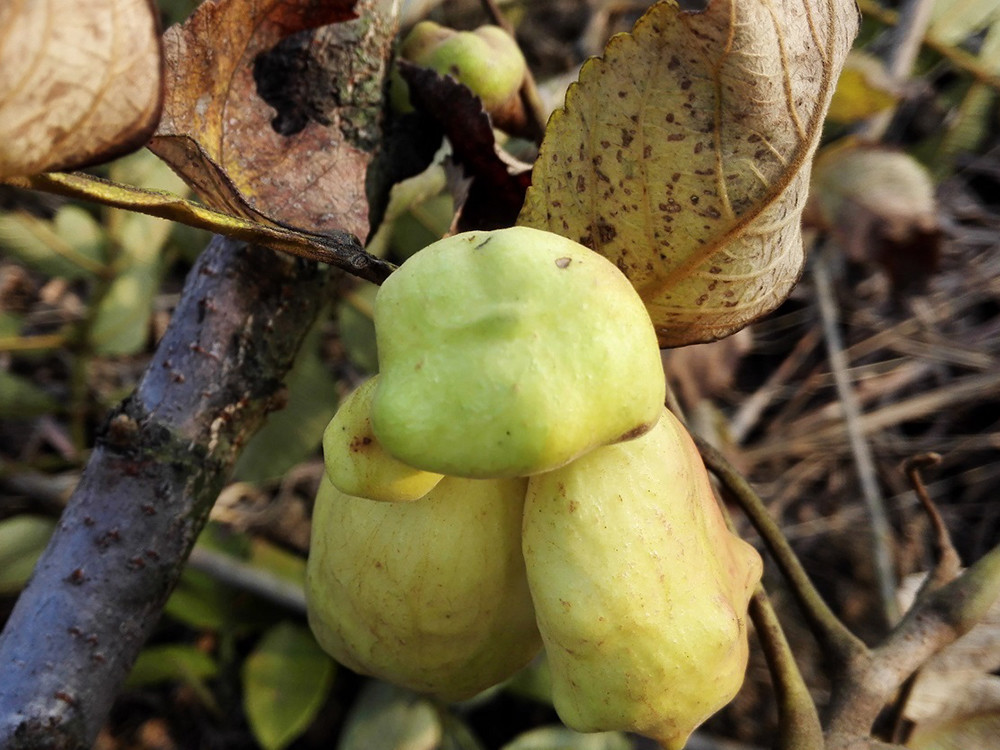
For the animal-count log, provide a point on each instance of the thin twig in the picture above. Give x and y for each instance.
(842, 645)
(156, 468)
(805, 436)
(753, 406)
(247, 577)
(860, 448)
(948, 562)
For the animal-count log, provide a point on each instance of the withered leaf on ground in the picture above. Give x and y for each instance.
(80, 83)
(217, 131)
(683, 156)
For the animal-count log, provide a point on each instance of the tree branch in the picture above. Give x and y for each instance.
(155, 471)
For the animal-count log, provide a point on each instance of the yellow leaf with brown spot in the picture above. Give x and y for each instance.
(80, 82)
(683, 155)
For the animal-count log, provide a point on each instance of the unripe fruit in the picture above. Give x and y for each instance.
(640, 589)
(355, 461)
(511, 352)
(431, 595)
(487, 60)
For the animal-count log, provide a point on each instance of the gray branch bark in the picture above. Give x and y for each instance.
(155, 471)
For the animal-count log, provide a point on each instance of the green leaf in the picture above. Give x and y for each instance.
(200, 602)
(278, 561)
(171, 663)
(357, 329)
(955, 21)
(285, 682)
(561, 738)
(121, 320)
(293, 434)
(71, 245)
(391, 718)
(20, 398)
(22, 540)
(10, 324)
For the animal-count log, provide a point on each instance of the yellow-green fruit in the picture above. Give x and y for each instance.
(355, 461)
(511, 352)
(422, 38)
(487, 60)
(640, 589)
(431, 595)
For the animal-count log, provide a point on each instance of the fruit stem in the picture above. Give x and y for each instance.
(798, 719)
(840, 643)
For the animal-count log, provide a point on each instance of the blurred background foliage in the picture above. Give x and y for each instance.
(85, 292)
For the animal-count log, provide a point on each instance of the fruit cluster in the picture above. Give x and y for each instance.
(510, 480)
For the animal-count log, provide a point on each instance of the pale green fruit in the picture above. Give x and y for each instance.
(487, 60)
(355, 461)
(640, 589)
(422, 38)
(511, 352)
(431, 595)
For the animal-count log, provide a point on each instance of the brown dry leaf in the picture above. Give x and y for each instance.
(217, 131)
(881, 205)
(683, 156)
(498, 180)
(80, 82)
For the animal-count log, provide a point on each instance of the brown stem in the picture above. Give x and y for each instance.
(948, 562)
(841, 644)
(935, 620)
(798, 720)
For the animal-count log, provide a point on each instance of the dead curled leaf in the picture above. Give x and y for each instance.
(80, 83)
(498, 180)
(683, 155)
(217, 131)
